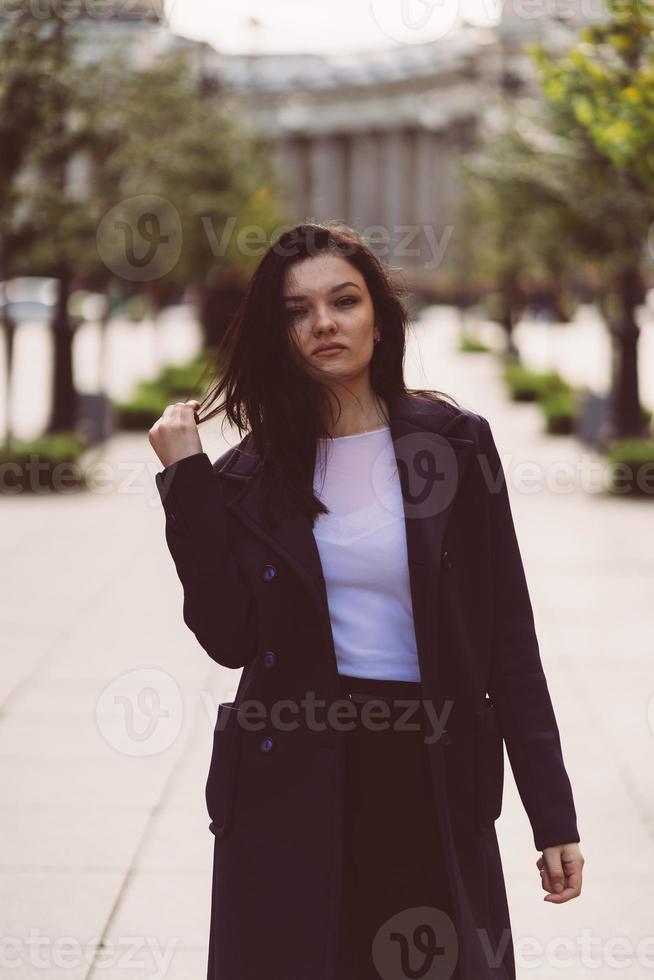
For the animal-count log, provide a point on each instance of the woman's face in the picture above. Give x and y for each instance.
(327, 302)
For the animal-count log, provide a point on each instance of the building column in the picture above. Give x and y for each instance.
(327, 198)
(365, 191)
(293, 171)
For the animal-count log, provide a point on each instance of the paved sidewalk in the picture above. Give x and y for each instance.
(108, 704)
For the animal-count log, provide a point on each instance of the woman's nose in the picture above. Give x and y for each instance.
(323, 319)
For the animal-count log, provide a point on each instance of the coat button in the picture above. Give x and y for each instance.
(269, 659)
(266, 744)
(446, 560)
(268, 573)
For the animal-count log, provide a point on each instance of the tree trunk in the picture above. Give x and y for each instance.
(511, 300)
(8, 329)
(627, 419)
(63, 414)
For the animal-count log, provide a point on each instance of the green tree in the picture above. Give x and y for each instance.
(605, 82)
(514, 214)
(29, 61)
(545, 203)
(45, 229)
(115, 160)
(170, 143)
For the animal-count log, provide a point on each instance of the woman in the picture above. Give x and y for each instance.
(355, 553)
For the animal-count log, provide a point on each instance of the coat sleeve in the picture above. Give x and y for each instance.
(518, 685)
(218, 607)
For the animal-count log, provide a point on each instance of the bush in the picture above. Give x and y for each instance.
(180, 379)
(176, 382)
(631, 463)
(50, 462)
(560, 409)
(147, 405)
(529, 386)
(471, 345)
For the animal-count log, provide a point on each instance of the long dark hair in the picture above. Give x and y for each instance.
(266, 391)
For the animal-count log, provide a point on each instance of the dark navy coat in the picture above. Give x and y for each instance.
(255, 598)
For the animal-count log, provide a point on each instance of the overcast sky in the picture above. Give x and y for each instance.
(331, 26)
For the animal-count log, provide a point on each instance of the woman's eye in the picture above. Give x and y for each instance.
(296, 311)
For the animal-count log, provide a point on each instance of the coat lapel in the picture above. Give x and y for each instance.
(431, 466)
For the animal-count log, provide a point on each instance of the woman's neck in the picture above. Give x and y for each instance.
(358, 416)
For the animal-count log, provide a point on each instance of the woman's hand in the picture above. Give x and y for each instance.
(175, 435)
(561, 872)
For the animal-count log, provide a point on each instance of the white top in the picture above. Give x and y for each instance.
(363, 552)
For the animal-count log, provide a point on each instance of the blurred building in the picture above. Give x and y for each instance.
(374, 138)
(371, 138)
(136, 29)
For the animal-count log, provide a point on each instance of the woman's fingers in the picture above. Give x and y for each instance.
(194, 404)
(571, 891)
(176, 435)
(554, 869)
(561, 872)
(544, 877)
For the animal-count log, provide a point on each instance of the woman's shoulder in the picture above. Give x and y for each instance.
(452, 415)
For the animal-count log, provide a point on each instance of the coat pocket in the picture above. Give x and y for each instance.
(489, 754)
(221, 780)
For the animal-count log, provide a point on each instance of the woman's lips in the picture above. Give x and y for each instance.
(329, 351)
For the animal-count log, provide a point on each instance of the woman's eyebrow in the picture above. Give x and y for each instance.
(332, 290)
